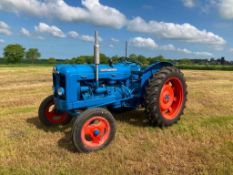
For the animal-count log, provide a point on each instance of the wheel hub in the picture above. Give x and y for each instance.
(171, 98)
(96, 132)
(167, 96)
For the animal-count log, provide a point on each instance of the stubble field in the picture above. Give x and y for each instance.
(201, 143)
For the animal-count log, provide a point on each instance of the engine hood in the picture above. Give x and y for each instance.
(116, 71)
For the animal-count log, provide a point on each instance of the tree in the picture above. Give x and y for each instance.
(81, 60)
(133, 57)
(66, 61)
(142, 60)
(115, 59)
(33, 54)
(139, 59)
(185, 61)
(52, 60)
(222, 61)
(14, 53)
(89, 59)
(104, 59)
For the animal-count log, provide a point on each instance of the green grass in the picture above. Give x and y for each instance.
(218, 121)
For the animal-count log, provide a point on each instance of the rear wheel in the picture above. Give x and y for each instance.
(166, 97)
(93, 130)
(48, 114)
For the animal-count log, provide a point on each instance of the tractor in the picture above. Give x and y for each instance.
(90, 92)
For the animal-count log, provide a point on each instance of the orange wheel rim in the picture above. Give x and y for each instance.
(171, 98)
(95, 132)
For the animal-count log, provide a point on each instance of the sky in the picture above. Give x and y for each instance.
(173, 28)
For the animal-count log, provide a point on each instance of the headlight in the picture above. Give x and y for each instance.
(60, 91)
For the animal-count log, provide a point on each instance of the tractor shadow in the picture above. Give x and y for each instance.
(36, 122)
(65, 141)
(135, 117)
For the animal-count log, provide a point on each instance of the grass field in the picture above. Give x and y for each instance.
(201, 143)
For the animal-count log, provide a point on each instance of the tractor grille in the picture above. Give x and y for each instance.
(55, 84)
(62, 83)
(59, 80)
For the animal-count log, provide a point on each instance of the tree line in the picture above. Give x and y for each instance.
(16, 53)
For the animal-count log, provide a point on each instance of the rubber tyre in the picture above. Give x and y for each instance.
(79, 124)
(152, 96)
(41, 113)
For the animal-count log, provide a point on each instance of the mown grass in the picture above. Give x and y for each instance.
(206, 67)
(201, 143)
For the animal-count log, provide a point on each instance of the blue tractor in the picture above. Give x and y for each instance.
(89, 92)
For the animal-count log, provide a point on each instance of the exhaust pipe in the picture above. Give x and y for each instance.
(126, 50)
(97, 57)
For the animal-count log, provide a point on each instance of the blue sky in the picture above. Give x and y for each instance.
(173, 28)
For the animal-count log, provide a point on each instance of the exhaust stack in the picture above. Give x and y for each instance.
(126, 50)
(97, 57)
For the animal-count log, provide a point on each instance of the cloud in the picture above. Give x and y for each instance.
(231, 50)
(147, 7)
(87, 38)
(143, 42)
(2, 41)
(57, 32)
(171, 47)
(73, 34)
(225, 8)
(111, 46)
(92, 11)
(185, 32)
(52, 30)
(4, 28)
(25, 32)
(186, 51)
(114, 40)
(207, 5)
(103, 15)
(208, 54)
(40, 38)
(189, 3)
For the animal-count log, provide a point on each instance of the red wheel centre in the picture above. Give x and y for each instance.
(53, 116)
(171, 98)
(95, 132)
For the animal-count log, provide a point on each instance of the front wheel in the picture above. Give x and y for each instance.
(48, 114)
(93, 130)
(166, 96)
